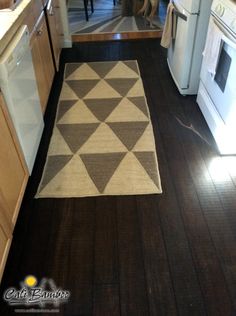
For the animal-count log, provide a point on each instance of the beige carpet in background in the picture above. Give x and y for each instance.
(102, 142)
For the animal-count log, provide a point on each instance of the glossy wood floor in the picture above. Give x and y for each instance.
(115, 36)
(169, 254)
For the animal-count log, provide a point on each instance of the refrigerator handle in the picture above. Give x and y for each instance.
(180, 15)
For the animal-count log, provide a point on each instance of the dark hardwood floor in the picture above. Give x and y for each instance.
(168, 254)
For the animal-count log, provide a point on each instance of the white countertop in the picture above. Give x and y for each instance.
(8, 18)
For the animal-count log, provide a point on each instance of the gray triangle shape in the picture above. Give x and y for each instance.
(132, 65)
(70, 68)
(82, 87)
(102, 68)
(101, 108)
(53, 166)
(101, 167)
(75, 135)
(122, 85)
(63, 107)
(148, 161)
(141, 104)
(128, 132)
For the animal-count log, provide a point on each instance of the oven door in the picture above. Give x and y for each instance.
(221, 87)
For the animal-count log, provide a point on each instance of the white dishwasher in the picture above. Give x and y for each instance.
(19, 87)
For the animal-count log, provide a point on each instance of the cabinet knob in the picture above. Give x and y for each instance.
(39, 32)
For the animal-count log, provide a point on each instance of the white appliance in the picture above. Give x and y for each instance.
(185, 52)
(18, 84)
(217, 91)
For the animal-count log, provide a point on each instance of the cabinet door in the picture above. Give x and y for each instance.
(13, 171)
(54, 22)
(5, 233)
(42, 60)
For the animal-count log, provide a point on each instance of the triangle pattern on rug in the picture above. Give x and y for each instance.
(146, 142)
(101, 167)
(78, 114)
(70, 68)
(102, 90)
(148, 161)
(102, 141)
(132, 172)
(141, 104)
(58, 146)
(64, 106)
(54, 165)
(101, 108)
(122, 85)
(137, 90)
(67, 93)
(82, 87)
(121, 71)
(76, 135)
(128, 132)
(71, 181)
(84, 72)
(132, 65)
(102, 68)
(126, 111)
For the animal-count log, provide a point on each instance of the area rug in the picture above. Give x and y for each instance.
(102, 141)
(107, 18)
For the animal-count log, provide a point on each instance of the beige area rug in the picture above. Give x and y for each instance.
(102, 142)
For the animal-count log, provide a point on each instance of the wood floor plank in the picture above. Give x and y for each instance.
(105, 245)
(177, 243)
(133, 292)
(159, 283)
(205, 257)
(115, 36)
(80, 265)
(215, 189)
(106, 300)
(187, 289)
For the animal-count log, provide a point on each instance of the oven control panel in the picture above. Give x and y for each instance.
(225, 10)
(219, 9)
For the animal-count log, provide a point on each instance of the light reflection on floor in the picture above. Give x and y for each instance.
(222, 168)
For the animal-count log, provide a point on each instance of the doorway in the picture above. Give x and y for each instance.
(107, 21)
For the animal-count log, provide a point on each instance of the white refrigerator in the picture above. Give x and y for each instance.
(185, 52)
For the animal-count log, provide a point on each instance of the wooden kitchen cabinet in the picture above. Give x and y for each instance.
(13, 179)
(13, 170)
(42, 60)
(55, 29)
(5, 233)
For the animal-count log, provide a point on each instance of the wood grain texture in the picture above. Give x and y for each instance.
(115, 36)
(14, 174)
(169, 254)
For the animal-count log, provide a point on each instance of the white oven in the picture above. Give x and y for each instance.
(217, 91)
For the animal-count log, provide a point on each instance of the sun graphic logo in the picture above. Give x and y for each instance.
(30, 281)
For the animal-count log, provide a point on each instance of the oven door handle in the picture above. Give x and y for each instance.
(227, 37)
